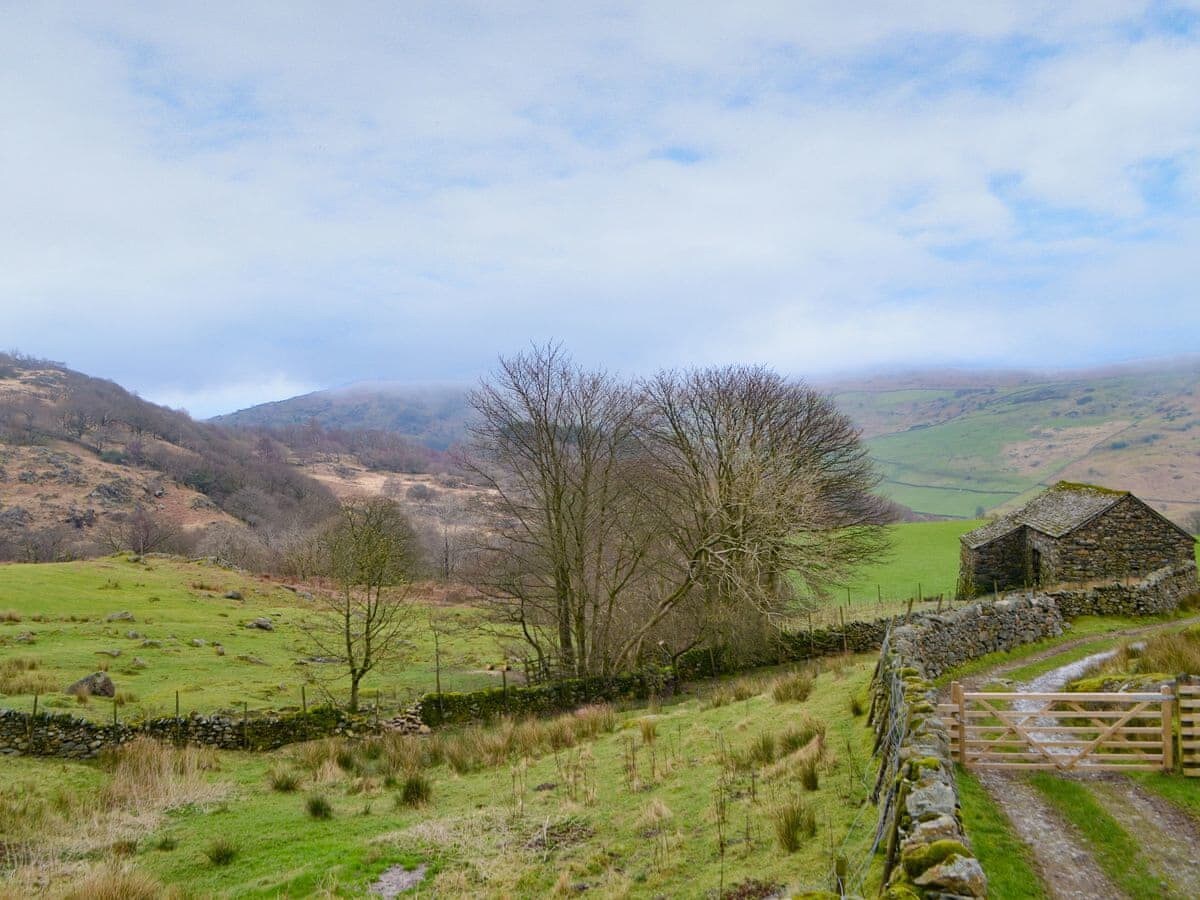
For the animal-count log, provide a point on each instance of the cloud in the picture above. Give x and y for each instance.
(211, 205)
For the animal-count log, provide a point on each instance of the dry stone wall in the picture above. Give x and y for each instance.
(75, 738)
(928, 852)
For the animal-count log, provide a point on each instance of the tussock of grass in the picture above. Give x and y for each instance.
(793, 688)
(116, 882)
(792, 821)
(655, 815)
(221, 852)
(417, 790)
(319, 807)
(10, 615)
(649, 730)
(283, 780)
(718, 697)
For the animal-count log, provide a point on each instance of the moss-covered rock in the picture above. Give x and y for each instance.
(925, 856)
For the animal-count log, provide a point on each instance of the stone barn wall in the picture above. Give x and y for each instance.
(1000, 563)
(1129, 539)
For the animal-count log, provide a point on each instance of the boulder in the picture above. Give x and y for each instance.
(233, 595)
(98, 684)
(123, 616)
(262, 623)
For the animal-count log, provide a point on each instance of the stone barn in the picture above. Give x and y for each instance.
(1071, 533)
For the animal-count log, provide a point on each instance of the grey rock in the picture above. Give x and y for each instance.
(262, 623)
(959, 875)
(123, 616)
(98, 684)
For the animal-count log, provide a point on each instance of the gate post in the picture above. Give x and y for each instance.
(957, 698)
(1168, 727)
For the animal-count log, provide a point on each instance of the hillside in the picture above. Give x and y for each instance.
(433, 416)
(964, 444)
(948, 443)
(80, 455)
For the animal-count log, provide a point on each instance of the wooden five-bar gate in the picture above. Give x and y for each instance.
(1126, 731)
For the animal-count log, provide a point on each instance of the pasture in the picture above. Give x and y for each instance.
(161, 625)
(745, 785)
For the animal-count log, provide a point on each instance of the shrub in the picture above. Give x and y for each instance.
(856, 706)
(319, 807)
(417, 791)
(792, 820)
(283, 780)
(793, 688)
(221, 851)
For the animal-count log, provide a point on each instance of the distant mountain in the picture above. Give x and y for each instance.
(78, 455)
(966, 443)
(434, 416)
(948, 443)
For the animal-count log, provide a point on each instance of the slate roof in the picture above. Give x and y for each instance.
(1057, 511)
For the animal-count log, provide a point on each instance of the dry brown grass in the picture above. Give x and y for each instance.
(116, 882)
(149, 775)
(9, 615)
(20, 675)
(792, 688)
(1167, 653)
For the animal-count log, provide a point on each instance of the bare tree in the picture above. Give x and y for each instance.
(367, 553)
(684, 509)
(760, 486)
(556, 443)
(141, 531)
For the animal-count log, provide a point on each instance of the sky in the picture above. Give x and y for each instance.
(221, 204)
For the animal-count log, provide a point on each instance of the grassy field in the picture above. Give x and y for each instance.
(957, 449)
(923, 560)
(61, 616)
(636, 805)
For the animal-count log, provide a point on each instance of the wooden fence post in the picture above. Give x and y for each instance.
(958, 698)
(1168, 730)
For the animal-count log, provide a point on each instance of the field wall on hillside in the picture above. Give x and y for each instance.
(919, 819)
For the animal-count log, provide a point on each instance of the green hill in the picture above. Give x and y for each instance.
(961, 445)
